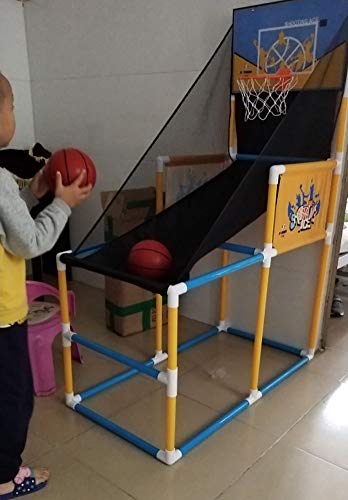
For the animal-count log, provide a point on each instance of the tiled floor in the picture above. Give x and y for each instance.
(292, 445)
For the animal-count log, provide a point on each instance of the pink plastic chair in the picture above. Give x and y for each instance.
(42, 332)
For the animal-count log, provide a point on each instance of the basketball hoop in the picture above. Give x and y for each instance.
(265, 94)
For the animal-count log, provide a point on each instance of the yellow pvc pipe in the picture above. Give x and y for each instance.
(63, 297)
(232, 124)
(223, 290)
(255, 369)
(271, 204)
(64, 311)
(172, 365)
(333, 197)
(68, 374)
(341, 125)
(318, 298)
(324, 262)
(159, 192)
(159, 322)
(172, 338)
(261, 311)
(170, 423)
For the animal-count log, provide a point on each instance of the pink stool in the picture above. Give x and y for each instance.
(44, 324)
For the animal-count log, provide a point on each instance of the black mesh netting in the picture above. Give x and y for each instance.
(235, 197)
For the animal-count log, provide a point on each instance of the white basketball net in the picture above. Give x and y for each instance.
(265, 95)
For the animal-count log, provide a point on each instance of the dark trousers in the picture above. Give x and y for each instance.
(16, 398)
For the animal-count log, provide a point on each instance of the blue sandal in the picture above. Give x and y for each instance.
(24, 484)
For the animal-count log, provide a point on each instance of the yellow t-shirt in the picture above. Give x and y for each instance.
(13, 297)
(22, 237)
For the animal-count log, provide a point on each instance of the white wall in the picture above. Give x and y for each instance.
(14, 65)
(105, 76)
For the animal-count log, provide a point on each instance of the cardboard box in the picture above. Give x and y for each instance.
(130, 209)
(129, 309)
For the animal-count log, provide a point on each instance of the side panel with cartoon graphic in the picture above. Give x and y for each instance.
(302, 205)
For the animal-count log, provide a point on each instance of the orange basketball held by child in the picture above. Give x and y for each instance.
(150, 259)
(69, 162)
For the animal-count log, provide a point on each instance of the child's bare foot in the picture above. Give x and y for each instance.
(26, 480)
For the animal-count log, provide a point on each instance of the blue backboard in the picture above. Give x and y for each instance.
(292, 34)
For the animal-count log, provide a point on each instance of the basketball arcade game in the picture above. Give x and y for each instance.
(301, 205)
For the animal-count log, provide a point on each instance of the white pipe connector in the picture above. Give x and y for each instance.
(275, 172)
(268, 253)
(169, 457)
(163, 377)
(174, 292)
(222, 326)
(66, 329)
(170, 379)
(60, 265)
(66, 335)
(233, 154)
(172, 385)
(307, 353)
(329, 233)
(71, 400)
(339, 164)
(254, 396)
(161, 162)
(159, 357)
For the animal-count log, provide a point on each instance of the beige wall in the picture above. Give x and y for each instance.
(14, 64)
(291, 291)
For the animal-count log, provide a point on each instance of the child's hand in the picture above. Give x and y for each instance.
(74, 194)
(39, 186)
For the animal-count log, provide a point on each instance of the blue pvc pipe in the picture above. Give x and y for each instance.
(265, 341)
(117, 356)
(283, 376)
(223, 271)
(276, 159)
(116, 429)
(90, 250)
(239, 408)
(196, 340)
(205, 433)
(121, 377)
(234, 247)
(111, 382)
(215, 426)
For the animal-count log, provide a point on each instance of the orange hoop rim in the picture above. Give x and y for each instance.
(281, 73)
